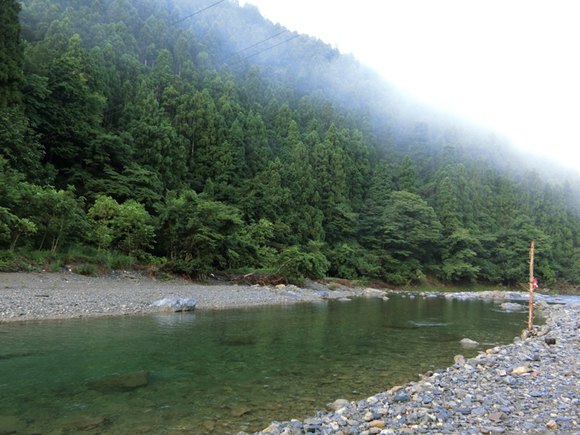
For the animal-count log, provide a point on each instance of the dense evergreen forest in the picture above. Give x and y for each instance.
(203, 137)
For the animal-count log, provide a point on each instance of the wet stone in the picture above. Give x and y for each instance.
(11, 424)
(125, 382)
(526, 386)
(240, 410)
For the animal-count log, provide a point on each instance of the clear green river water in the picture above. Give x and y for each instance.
(231, 370)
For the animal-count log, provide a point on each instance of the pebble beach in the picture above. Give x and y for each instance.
(65, 295)
(528, 387)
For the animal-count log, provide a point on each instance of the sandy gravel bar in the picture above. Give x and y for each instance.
(35, 296)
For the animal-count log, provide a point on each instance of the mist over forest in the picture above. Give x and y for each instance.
(199, 136)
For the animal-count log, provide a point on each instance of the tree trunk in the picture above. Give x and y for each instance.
(42, 241)
(14, 240)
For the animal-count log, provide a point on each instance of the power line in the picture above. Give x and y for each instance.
(172, 24)
(251, 46)
(195, 13)
(269, 48)
(110, 115)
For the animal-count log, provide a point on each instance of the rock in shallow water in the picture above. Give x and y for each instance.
(337, 404)
(174, 304)
(10, 424)
(466, 342)
(126, 382)
(525, 387)
(240, 410)
(511, 306)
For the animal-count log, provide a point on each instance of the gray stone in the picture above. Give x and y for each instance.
(373, 293)
(125, 382)
(401, 397)
(467, 342)
(478, 411)
(464, 411)
(322, 295)
(174, 304)
(511, 306)
(338, 403)
(240, 410)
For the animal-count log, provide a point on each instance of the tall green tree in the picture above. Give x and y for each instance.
(411, 232)
(406, 176)
(18, 143)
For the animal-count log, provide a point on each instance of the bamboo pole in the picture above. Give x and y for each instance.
(531, 311)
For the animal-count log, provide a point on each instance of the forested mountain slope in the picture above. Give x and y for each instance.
(206, 134)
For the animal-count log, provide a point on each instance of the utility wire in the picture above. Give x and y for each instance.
(269, 48)
(251, 46)
(195, 13)
(172, 24)
(110, 115)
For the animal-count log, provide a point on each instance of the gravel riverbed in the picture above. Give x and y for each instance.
(37, 296)
(528, 387)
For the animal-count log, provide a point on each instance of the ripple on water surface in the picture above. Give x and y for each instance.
(228, 370)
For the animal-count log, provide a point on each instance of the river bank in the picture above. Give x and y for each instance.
(65, 295)
(39, 296)
(528, 387)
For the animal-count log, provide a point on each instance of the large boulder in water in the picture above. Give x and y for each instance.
(174, 304)
(125, 382)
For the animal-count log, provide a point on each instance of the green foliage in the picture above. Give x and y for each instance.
(12, 262)
(55, 266)
(201, 234)
(261, 234)
(406, 176)
(120, 261)
(125, 140)
(512, 252)
(411, 231)
(459, 256)
(61, 216)
(134, 228)
(87, 269)
(128, 226)
(303, 262)
(351, 261)
(101, 217)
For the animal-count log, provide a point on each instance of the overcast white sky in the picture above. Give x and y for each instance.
(514, 65)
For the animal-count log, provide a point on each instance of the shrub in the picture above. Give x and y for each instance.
(121, 262)
(87, 269)
(55, 266)
(307, 262)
